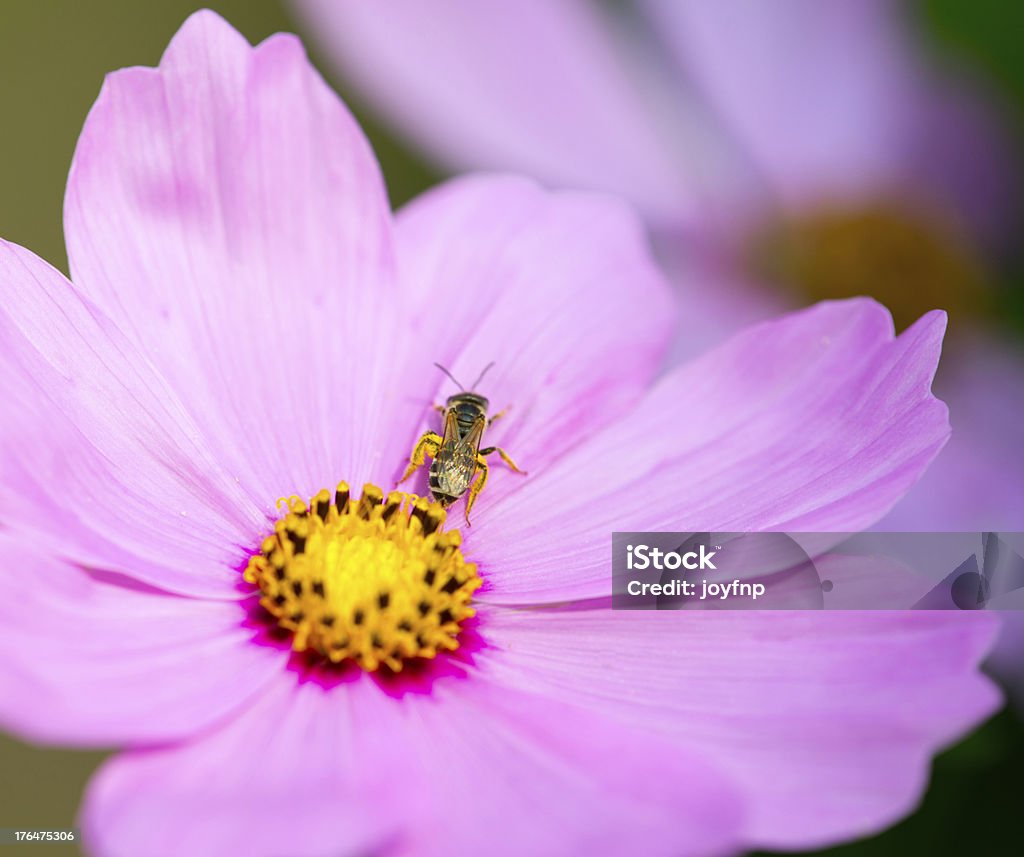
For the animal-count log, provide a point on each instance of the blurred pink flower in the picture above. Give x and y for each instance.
(246, 320)
(699, 113)
(717, 119)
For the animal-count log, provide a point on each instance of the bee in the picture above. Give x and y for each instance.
(457, 458)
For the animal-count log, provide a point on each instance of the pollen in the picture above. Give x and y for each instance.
(371, 580)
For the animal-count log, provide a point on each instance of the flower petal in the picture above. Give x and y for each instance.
(287, 776)
(469, 768)
(542, 777)
(552, 90)
(99, 456)
(819, 94)
(557, 289)
(827, 721)
(817, 422)
(226, 211)
(834, 100)
(92, 659)
(963, 153)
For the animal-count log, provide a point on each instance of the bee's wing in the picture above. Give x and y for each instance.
(471, 442)
(451, 431)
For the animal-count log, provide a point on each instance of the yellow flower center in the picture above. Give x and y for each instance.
(909, 257)
(372, 580)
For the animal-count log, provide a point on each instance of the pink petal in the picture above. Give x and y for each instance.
(227, 212)
(817, 422)
(817, 93)
(100, 458)
(834, 100)
(536, 776)
(469, 768)
(557, 289)
(963, 153)
(91, 659)
(552, 90)
(287, 776)
(724, 300)
(827, 721)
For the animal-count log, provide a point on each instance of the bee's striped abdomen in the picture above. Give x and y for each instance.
(433, 479)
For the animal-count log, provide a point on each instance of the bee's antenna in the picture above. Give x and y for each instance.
(487, 369)
(450, 375)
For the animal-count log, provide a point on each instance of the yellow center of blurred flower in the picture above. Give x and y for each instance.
(910, 258)
(372, 580)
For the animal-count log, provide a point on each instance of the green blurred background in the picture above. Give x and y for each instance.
(53, 56)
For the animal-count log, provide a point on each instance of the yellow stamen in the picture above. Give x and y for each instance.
(378, 582)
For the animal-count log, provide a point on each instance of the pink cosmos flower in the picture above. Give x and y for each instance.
(246, 320)
(720, 121)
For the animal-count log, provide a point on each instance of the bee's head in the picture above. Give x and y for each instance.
(474, 399)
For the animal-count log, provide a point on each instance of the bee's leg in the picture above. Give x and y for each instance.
(478, 484)
(499, 415)
(429, 444)
(504, 457)
(441, 409)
